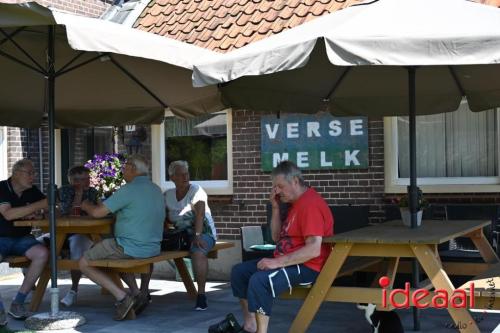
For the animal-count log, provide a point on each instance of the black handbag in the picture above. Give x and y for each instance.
(176, 240)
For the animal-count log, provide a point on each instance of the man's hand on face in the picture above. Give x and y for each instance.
(268, 263)
(274, 197)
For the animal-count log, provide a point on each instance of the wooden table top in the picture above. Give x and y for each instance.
(394, 232)
(66, 221)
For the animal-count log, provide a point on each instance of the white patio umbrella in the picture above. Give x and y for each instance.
(106, 74)
(86, 72)
(380, 58)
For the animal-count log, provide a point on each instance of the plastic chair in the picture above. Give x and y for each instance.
(253, 235)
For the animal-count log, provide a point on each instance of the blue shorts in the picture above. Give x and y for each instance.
(17, 246)
(209, 240)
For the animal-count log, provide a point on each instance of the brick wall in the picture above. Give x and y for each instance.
(24, 143)
(91, 8)
(247, 206)
(252, 186)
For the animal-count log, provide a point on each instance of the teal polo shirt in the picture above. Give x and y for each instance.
(140, 213)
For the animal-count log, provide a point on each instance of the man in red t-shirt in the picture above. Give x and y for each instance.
(299, 255)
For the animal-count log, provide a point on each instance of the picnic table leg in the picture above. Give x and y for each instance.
(186, 278)
(391, 268)
(320, 288)
(41, 285)
(483, 246)
(440, 280)
(44, 278)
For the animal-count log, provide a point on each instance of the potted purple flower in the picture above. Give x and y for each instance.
(106, 173)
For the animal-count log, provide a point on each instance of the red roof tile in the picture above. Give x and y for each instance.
(224, 25)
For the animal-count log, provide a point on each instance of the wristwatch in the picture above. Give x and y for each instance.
(197, 234)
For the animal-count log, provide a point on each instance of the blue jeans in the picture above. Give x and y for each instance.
(259, 288)
(209, 240)
(17, 246)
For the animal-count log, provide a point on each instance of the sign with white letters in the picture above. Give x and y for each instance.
(314, 142)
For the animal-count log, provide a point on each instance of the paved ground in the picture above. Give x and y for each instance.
(171, 311)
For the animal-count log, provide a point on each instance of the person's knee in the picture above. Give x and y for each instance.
(38, 253)
(198, 256)
(83, 264)
(258, 282)
(236, 273)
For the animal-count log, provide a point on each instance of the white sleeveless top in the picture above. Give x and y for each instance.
(181, 213)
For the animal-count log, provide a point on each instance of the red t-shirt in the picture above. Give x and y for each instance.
(308, 216)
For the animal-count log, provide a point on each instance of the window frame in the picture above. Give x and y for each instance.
(4, 173)
(394, 184)
(212, 187)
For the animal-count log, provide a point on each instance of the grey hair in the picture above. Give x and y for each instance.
(175, 164)
(21, 164)
(140, 163)
(288, 170)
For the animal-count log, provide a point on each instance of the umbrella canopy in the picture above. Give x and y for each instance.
(88, 72)
(322, 62)
(106, 74)
(383, 58)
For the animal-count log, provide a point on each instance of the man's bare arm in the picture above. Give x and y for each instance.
(275, 215)
(199, 215)
(311, 249)
(14, 213)
(96, 211)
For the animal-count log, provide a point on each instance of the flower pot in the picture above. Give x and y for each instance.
(406, 216)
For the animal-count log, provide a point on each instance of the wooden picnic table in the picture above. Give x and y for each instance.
(66, 225)
(393, 240)
(96, 228)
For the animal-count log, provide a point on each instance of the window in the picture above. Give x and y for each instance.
(456, 152)
(204, 142)
(78, 145)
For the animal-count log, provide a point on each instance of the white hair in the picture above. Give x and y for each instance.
(140, 163)
(175, 164)
(23, 163)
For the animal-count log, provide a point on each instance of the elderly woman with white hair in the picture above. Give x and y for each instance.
(187, 208)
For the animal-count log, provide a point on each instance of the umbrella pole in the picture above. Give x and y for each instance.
(54, 292)
(413, 189)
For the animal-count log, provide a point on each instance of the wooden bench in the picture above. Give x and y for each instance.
(115, 266)
(122, 265)
(486, 288)
(143, 265)
(351, 266)
(17, 261)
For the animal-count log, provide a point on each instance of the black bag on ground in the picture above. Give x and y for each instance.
(176, 240)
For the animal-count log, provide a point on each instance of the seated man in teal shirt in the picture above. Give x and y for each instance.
(140, 215)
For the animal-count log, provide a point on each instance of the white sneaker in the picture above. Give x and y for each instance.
(69, 299)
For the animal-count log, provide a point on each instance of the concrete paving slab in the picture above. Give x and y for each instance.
(171, 311)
